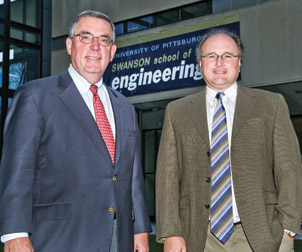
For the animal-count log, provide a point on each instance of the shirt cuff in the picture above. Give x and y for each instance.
(7, 237)
(292, 234)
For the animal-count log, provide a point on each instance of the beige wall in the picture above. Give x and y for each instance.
(118, 10)
(272, 35)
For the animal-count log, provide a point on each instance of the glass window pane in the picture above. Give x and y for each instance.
(150, 193)
(139, 24)
(167, 17)
(33, 16)
(196, 10)
(1, 29)
(17, 74)
(25, 36)
(119, 29)
(1, 62)
(1, 8)
(9, 101)
(149, 151)
(24, 66)
(26, 12)
(17, 11)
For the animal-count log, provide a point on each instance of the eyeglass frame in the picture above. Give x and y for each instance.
(206, 56)
(110, 41)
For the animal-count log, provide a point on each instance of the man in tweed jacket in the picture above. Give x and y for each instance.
(264, 154)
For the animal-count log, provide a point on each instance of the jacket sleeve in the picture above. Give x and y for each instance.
(168, 221)
(287, 169)
(20, 149)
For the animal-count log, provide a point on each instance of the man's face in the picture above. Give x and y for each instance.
(220, 75)
(91, 60)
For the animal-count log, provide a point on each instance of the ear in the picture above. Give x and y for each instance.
(112, 52)
(68, 45)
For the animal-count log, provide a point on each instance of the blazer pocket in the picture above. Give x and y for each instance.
(52, 212)
(183, 203)
(270, 198)
(130, 133)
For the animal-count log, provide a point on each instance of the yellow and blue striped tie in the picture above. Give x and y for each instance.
(221, 198)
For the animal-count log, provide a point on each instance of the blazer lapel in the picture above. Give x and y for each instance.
(198, 111)
(244, 106)
(77, 106)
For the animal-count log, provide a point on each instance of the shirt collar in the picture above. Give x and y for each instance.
(81, 83)
(230, 93)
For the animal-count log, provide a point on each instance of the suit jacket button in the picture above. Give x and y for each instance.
(208, 179)
(209, 154)
(110, 210)
(207, 205)
(114, 178)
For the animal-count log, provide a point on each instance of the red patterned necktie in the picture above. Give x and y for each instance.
(103, 122)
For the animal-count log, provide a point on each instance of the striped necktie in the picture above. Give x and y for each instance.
(221, 197)
(103, 122)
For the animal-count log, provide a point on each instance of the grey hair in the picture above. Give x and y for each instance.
(90, 13)
(217, 31)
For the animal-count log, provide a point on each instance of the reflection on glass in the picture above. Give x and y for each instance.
(17, 75)
(26, 64)
(11, 57)
(119, 29)
(139, 24)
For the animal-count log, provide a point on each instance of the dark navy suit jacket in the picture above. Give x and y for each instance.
(57, 181)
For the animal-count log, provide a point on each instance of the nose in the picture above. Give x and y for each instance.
(95, 45)
(219, 61)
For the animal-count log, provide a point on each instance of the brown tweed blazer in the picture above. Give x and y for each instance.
(266, 170)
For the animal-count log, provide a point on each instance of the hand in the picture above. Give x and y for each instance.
(18, 245)
(141, 243)
(289, 237)
(175, 244)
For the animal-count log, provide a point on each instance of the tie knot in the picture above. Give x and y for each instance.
(219, 95)
(94, 89)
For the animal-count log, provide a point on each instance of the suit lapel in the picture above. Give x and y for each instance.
(198, 111)
(77, 106)
(244, 106)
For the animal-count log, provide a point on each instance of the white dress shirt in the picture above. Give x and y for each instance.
(229, 103)
(83, 86)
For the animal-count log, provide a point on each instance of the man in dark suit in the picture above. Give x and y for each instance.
(68, 182)
(229, 166)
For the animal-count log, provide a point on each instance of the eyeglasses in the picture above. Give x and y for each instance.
(87, 38)
(226, 57)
